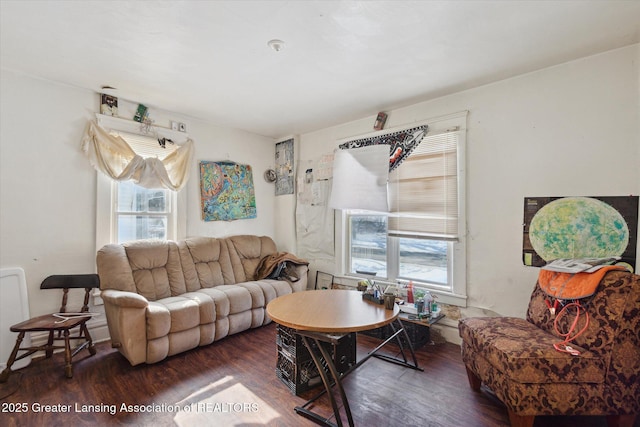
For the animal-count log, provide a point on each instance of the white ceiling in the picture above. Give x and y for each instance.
(343, 60)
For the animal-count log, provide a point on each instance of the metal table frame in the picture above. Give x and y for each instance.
(333, 378)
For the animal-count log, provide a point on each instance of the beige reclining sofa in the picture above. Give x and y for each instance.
(163, 297)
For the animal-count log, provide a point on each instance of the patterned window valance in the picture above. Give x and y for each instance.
(401, 143)
(113, 156)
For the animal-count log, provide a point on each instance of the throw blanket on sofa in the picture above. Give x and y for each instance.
(280, 265)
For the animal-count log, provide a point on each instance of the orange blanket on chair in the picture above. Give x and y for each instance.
(570, 286)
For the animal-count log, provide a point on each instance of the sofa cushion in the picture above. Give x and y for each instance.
(156, 268)
(183, 314)
(158, 320)
(265, 291)
(526, 352)
(206, 306)
(205, 261)
(245, 252)
(281, 287)
(239, 298)
(258, 299)
(221, 301)
(183, 341)
(114, 269)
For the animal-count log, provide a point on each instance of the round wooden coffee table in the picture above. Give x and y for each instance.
(333, 311)
(324, 316)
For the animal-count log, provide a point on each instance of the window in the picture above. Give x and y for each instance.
(368, 243)
(138, 212)
(141, 213)
(422, 239)
(126, 211)
(420, 260)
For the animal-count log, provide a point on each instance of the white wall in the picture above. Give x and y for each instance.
(569, 130)
(215, 144)
(48, 187)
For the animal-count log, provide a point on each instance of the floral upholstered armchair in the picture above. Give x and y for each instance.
(516, 358)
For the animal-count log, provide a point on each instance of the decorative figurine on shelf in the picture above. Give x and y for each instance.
(141, 113)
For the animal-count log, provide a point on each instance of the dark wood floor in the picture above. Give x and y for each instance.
(233, 383)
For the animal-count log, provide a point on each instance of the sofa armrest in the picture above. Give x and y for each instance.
(303, 273)
(126, 314)
(124, 299)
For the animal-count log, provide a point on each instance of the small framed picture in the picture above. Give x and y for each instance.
(182, 127)
(324, 280)
(108, 105)
(380, 120)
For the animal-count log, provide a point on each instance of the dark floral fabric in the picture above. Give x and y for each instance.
(515, 345)
(515, 357)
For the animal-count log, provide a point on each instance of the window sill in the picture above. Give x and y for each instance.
(442, 297)
(451, 299)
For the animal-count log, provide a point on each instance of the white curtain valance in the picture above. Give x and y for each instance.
(112, 155)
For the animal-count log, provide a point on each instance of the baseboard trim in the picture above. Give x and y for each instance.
(448, 330)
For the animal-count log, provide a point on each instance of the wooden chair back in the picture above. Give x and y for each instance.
(72, 281)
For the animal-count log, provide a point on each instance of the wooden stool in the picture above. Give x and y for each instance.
(59, 325)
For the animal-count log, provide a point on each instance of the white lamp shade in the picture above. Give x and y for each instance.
(360, 178)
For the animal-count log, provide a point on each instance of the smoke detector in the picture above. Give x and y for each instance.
(276, 44)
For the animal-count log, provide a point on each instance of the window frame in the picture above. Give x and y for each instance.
(455, 291)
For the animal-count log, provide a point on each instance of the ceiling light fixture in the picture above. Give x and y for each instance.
(276, 44)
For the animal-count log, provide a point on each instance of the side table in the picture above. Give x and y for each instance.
(418, 330)
(323, 317)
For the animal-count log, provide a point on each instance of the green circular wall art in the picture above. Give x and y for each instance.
(578, 227)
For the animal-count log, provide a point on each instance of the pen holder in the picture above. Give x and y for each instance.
(389, 301)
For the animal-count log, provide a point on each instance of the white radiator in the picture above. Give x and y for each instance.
(14, 308)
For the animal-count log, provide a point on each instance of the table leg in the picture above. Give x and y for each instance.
(328, 382)
(395, 336)
(333, 378)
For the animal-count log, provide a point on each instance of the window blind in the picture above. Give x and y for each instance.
(423, 191)
(146, 146)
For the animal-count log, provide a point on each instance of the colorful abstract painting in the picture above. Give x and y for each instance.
(580, 227)
(226, 191)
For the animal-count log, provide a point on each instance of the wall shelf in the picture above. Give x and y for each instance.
(131, 126)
